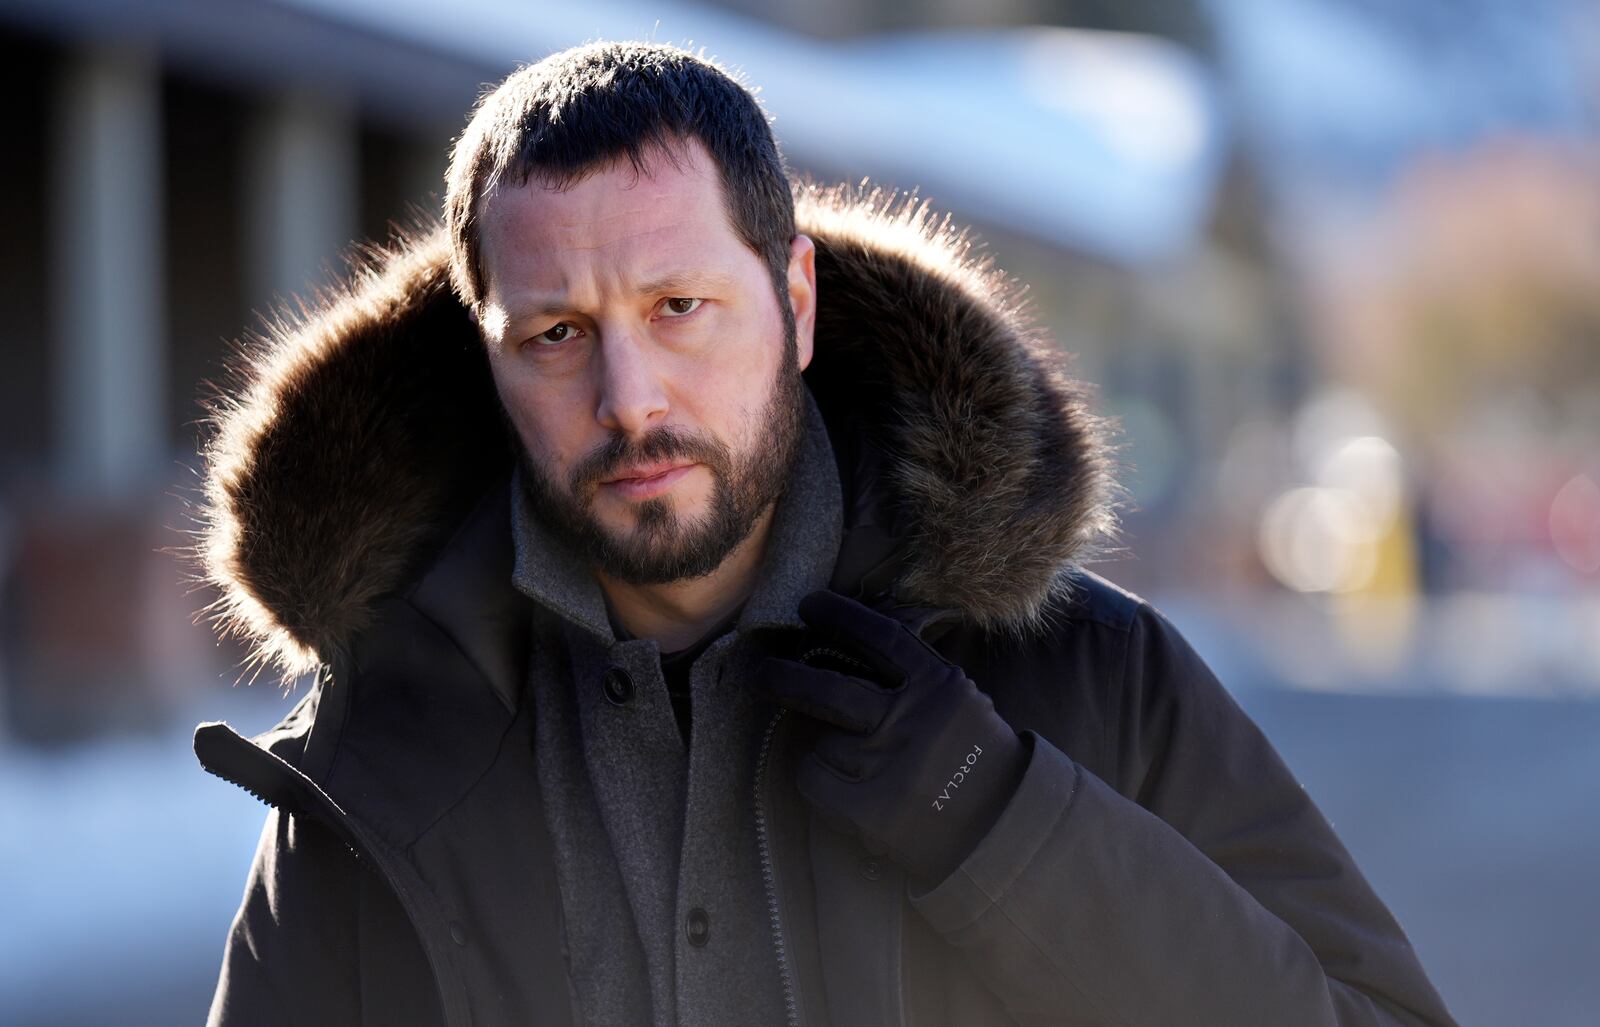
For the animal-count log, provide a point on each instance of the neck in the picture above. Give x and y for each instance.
(679, 613)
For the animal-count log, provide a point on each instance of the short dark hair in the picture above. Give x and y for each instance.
(575, 111)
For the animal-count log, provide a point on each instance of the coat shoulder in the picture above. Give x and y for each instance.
(1082, 638)
(1140, 659)
(1082, 595)
(1104, 671)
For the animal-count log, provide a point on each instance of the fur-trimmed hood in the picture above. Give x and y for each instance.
(353, 434)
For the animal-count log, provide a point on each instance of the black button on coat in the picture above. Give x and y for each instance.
(618, 686)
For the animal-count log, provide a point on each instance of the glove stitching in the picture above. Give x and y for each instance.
(830, 651)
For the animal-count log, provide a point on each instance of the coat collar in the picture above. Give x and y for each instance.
(350, 437)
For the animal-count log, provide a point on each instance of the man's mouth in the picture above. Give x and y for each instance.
(647, 480)
(640, 472)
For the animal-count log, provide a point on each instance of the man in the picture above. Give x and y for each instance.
(692, 575)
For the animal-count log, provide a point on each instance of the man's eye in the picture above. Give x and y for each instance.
(678, 306)
(560, 333)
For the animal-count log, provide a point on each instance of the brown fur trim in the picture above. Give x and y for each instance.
(350, 434)
(342, 439)
(1003, 472)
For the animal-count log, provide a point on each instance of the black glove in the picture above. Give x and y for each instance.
(913, 757)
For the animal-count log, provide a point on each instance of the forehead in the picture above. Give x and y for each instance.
(618, 221)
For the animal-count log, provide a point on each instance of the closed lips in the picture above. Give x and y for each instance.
(652, 471)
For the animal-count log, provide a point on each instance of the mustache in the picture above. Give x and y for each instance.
(662, 443)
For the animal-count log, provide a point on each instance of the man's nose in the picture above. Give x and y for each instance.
(632, 394)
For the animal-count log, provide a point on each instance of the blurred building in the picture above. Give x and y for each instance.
(162, 188)
(1267, 233)
(185, 169)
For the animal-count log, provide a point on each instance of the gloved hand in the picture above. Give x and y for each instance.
(912, 757)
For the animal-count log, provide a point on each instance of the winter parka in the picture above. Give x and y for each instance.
(1158, 865)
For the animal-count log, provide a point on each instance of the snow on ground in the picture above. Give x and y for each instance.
(120, 862)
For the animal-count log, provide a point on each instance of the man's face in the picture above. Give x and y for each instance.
(642, 357)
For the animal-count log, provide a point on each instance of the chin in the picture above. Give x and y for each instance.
(621, 520)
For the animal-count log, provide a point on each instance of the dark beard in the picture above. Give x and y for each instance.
(663, 546)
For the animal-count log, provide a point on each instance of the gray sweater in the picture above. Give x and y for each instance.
(650, 835)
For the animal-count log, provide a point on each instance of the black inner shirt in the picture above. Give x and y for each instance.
(675, 667)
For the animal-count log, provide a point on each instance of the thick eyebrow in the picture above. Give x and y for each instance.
(549, 307)
(672, 283)
(686, 283)
(541, 307)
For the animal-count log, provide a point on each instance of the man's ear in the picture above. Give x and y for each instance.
(803, 294)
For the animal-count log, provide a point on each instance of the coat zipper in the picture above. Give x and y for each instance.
(769, 874)
(369, 851)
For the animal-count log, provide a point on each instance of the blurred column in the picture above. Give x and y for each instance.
(109, 292)
(301, 166)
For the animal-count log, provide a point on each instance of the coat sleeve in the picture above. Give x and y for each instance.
(290, 954)
(319, 939)
(1207, 890)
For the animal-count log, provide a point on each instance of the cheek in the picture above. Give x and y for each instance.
(724, 397)
(733, 384)
(543, 422)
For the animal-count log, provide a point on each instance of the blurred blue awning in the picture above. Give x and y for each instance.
(1344, 91)
(1104, 143)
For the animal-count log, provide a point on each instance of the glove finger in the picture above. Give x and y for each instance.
(844, 701)
(848, 754)
(876, 638)
(823, 786)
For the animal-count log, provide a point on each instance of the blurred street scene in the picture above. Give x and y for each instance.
(1333, 264)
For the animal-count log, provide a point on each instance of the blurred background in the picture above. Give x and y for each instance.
(1335, 265)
